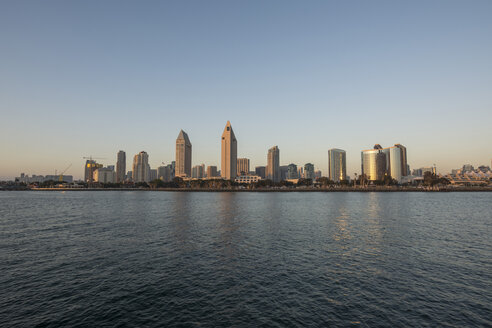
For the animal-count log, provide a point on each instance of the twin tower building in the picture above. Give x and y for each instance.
(228, 154)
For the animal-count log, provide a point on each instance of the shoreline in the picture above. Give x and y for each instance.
(463, 189)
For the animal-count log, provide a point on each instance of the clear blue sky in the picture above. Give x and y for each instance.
(93, 77)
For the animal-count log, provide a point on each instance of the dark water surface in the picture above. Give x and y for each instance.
(164, 259)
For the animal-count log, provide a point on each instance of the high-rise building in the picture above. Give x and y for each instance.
(260, 171)
(165, 173)
(283, 171)
(152, 174)
(141, 167)
(337, 165)
(273, 164)
(396, 162)
(211, 171)
(309, 171)
(198, 171)
(380, 162)
(183, 155)
(403, 160)
(229, 153)
(89, 170)
(300, 172)
(120, 166)
(373, 163)
(242, 166)
(292, 171)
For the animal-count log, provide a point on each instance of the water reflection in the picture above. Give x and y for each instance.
(374, 229)
(229, 223)
(180, 220)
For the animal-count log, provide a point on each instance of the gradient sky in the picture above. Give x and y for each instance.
(93, 77)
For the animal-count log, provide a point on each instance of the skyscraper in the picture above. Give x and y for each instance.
(211, 171)
(120, 166)
(183, 155)
(283, 171)
(260, 171)
(309, 171)
(89, 170)
(164, 173)
(273, 164)
(292, 171)
(337, 165)
(229, 153)
(242, 166)
(373, 163)
(380, 162)
(198, 171)
(141, 167)
(403, 160)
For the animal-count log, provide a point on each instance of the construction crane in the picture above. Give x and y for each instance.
(91, 168)
(60, 177)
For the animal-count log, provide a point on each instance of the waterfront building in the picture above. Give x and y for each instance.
(291, 171)
(420, 172)
(283, 172)
(483, 168)
(25, 178)
(129, 175)
(337, 165)
(120, 166)
(260, 171)
(105, 175)
(373, 163)
(393, 163)
(198, 171)
(141, 167)
(164, 173)
(309, 171)
(380, 162)
(396, 162)
(152, 174)
(242, 166)
(212, 171)
(468, 168)
(317, 174)
(90, 167)
(229, 153)
(183, 155)
(247, 178)
(273, 166)
(300, 172)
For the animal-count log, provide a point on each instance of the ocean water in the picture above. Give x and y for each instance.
(171, 259)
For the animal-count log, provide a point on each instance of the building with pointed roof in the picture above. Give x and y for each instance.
(229, 153)
(183, 155)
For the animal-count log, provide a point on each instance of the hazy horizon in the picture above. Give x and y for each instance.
(91, 78)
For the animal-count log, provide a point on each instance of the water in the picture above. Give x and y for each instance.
(162, 259)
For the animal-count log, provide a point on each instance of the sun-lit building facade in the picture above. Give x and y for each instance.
(273, 164)
(373, 163)
(337, 165)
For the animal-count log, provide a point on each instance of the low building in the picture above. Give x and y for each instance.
(247, 179)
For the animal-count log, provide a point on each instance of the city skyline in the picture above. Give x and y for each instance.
(375, 167)
(307, 78)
